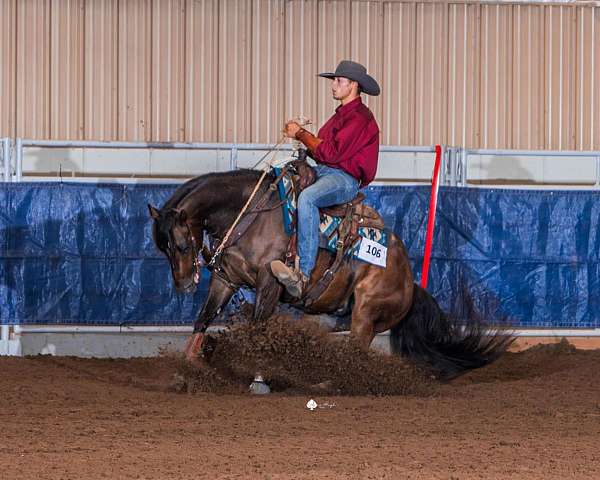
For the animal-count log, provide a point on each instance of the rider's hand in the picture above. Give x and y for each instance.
(290, 129)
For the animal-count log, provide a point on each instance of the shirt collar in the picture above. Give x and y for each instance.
(353, 105)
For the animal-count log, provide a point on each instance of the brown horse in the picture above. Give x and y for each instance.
(379, 298)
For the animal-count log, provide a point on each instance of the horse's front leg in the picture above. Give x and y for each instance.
(268, 291)
(219, 293)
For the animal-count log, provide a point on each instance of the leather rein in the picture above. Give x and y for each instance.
(213, 256)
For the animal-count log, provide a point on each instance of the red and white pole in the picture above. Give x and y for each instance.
(431, 219)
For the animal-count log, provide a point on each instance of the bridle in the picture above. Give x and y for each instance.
(192, 243)
(211, 258)
(214, 262)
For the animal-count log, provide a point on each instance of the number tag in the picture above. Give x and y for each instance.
(372, 252)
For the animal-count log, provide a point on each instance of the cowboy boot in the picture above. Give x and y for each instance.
(294, 281)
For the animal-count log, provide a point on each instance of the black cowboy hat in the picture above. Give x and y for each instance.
(358, 73)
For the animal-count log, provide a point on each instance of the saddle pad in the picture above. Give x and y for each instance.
(372, 247)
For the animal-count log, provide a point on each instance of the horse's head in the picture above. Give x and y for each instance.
(174, 237)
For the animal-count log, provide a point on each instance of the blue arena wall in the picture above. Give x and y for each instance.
(83, 254)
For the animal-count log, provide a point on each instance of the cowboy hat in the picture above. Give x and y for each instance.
(358, 73)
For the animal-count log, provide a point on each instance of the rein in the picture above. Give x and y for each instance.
(212, 263)
(221, 246)
(223, 243)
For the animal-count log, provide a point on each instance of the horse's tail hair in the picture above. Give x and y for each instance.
(431, 338)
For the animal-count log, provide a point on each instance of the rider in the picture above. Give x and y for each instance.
(346, 150)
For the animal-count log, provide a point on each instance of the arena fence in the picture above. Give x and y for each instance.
(81, 254)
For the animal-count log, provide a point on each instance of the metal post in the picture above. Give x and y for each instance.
(4, 333)
(453, 165)
(446, 170)
(233, 158)
(19, 159)
(462, 167)
(458, 167)
(6, 158)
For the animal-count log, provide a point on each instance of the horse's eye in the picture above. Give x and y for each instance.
(186, 250)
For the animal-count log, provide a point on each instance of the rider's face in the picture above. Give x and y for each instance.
(343, 88)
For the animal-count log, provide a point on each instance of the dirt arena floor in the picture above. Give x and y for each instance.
(531, 415)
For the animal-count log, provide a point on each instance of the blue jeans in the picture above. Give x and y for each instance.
(333, 186)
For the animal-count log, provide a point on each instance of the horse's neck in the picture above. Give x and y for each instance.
(211, 207)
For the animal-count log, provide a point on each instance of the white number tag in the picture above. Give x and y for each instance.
(372, 252)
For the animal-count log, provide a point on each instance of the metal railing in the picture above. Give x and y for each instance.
(233, 148)
(462, 156)
(455, 170)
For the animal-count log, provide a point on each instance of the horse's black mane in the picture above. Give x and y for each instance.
(190, 186)
(217, 197)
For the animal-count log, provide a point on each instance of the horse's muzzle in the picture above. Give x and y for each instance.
(187, 287)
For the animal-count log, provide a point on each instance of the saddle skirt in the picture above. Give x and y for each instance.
(371, 237)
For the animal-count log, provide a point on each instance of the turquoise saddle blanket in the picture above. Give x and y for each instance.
(373, 250)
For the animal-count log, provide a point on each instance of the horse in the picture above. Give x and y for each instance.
(191, 225)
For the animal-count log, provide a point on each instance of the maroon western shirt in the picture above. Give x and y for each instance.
(350, 141)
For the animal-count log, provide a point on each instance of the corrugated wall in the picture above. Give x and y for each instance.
(478, 75)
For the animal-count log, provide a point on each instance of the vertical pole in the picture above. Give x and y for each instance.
(6, 158)
(449, 159)
(4, 337)
(18, 160)
(464, 167)
(431, 219)
(233, 158)
(453, 155)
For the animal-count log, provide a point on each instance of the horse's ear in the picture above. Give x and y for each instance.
(154, 213)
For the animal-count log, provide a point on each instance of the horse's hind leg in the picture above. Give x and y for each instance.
(364, 318)
(382, 299)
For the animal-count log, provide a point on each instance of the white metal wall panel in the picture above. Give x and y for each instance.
(303, 28)
(594, 125)
(235, 75)
(333, 45)
(560, 77)
(366, 47)
(397, 80)
(528, 78)
(268, 70)
(33, 71)
(168, 70)
(431, 73)
(496, 75)
(201, 71)
(588, 79)
(135, 72)
(66, 69)
(101, 70)
(7, 67)
(463, 75)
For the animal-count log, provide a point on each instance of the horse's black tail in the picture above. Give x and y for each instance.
(429, 337)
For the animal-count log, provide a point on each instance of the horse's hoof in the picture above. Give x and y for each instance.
(259, 387)
(194, 348)
(178, 383)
